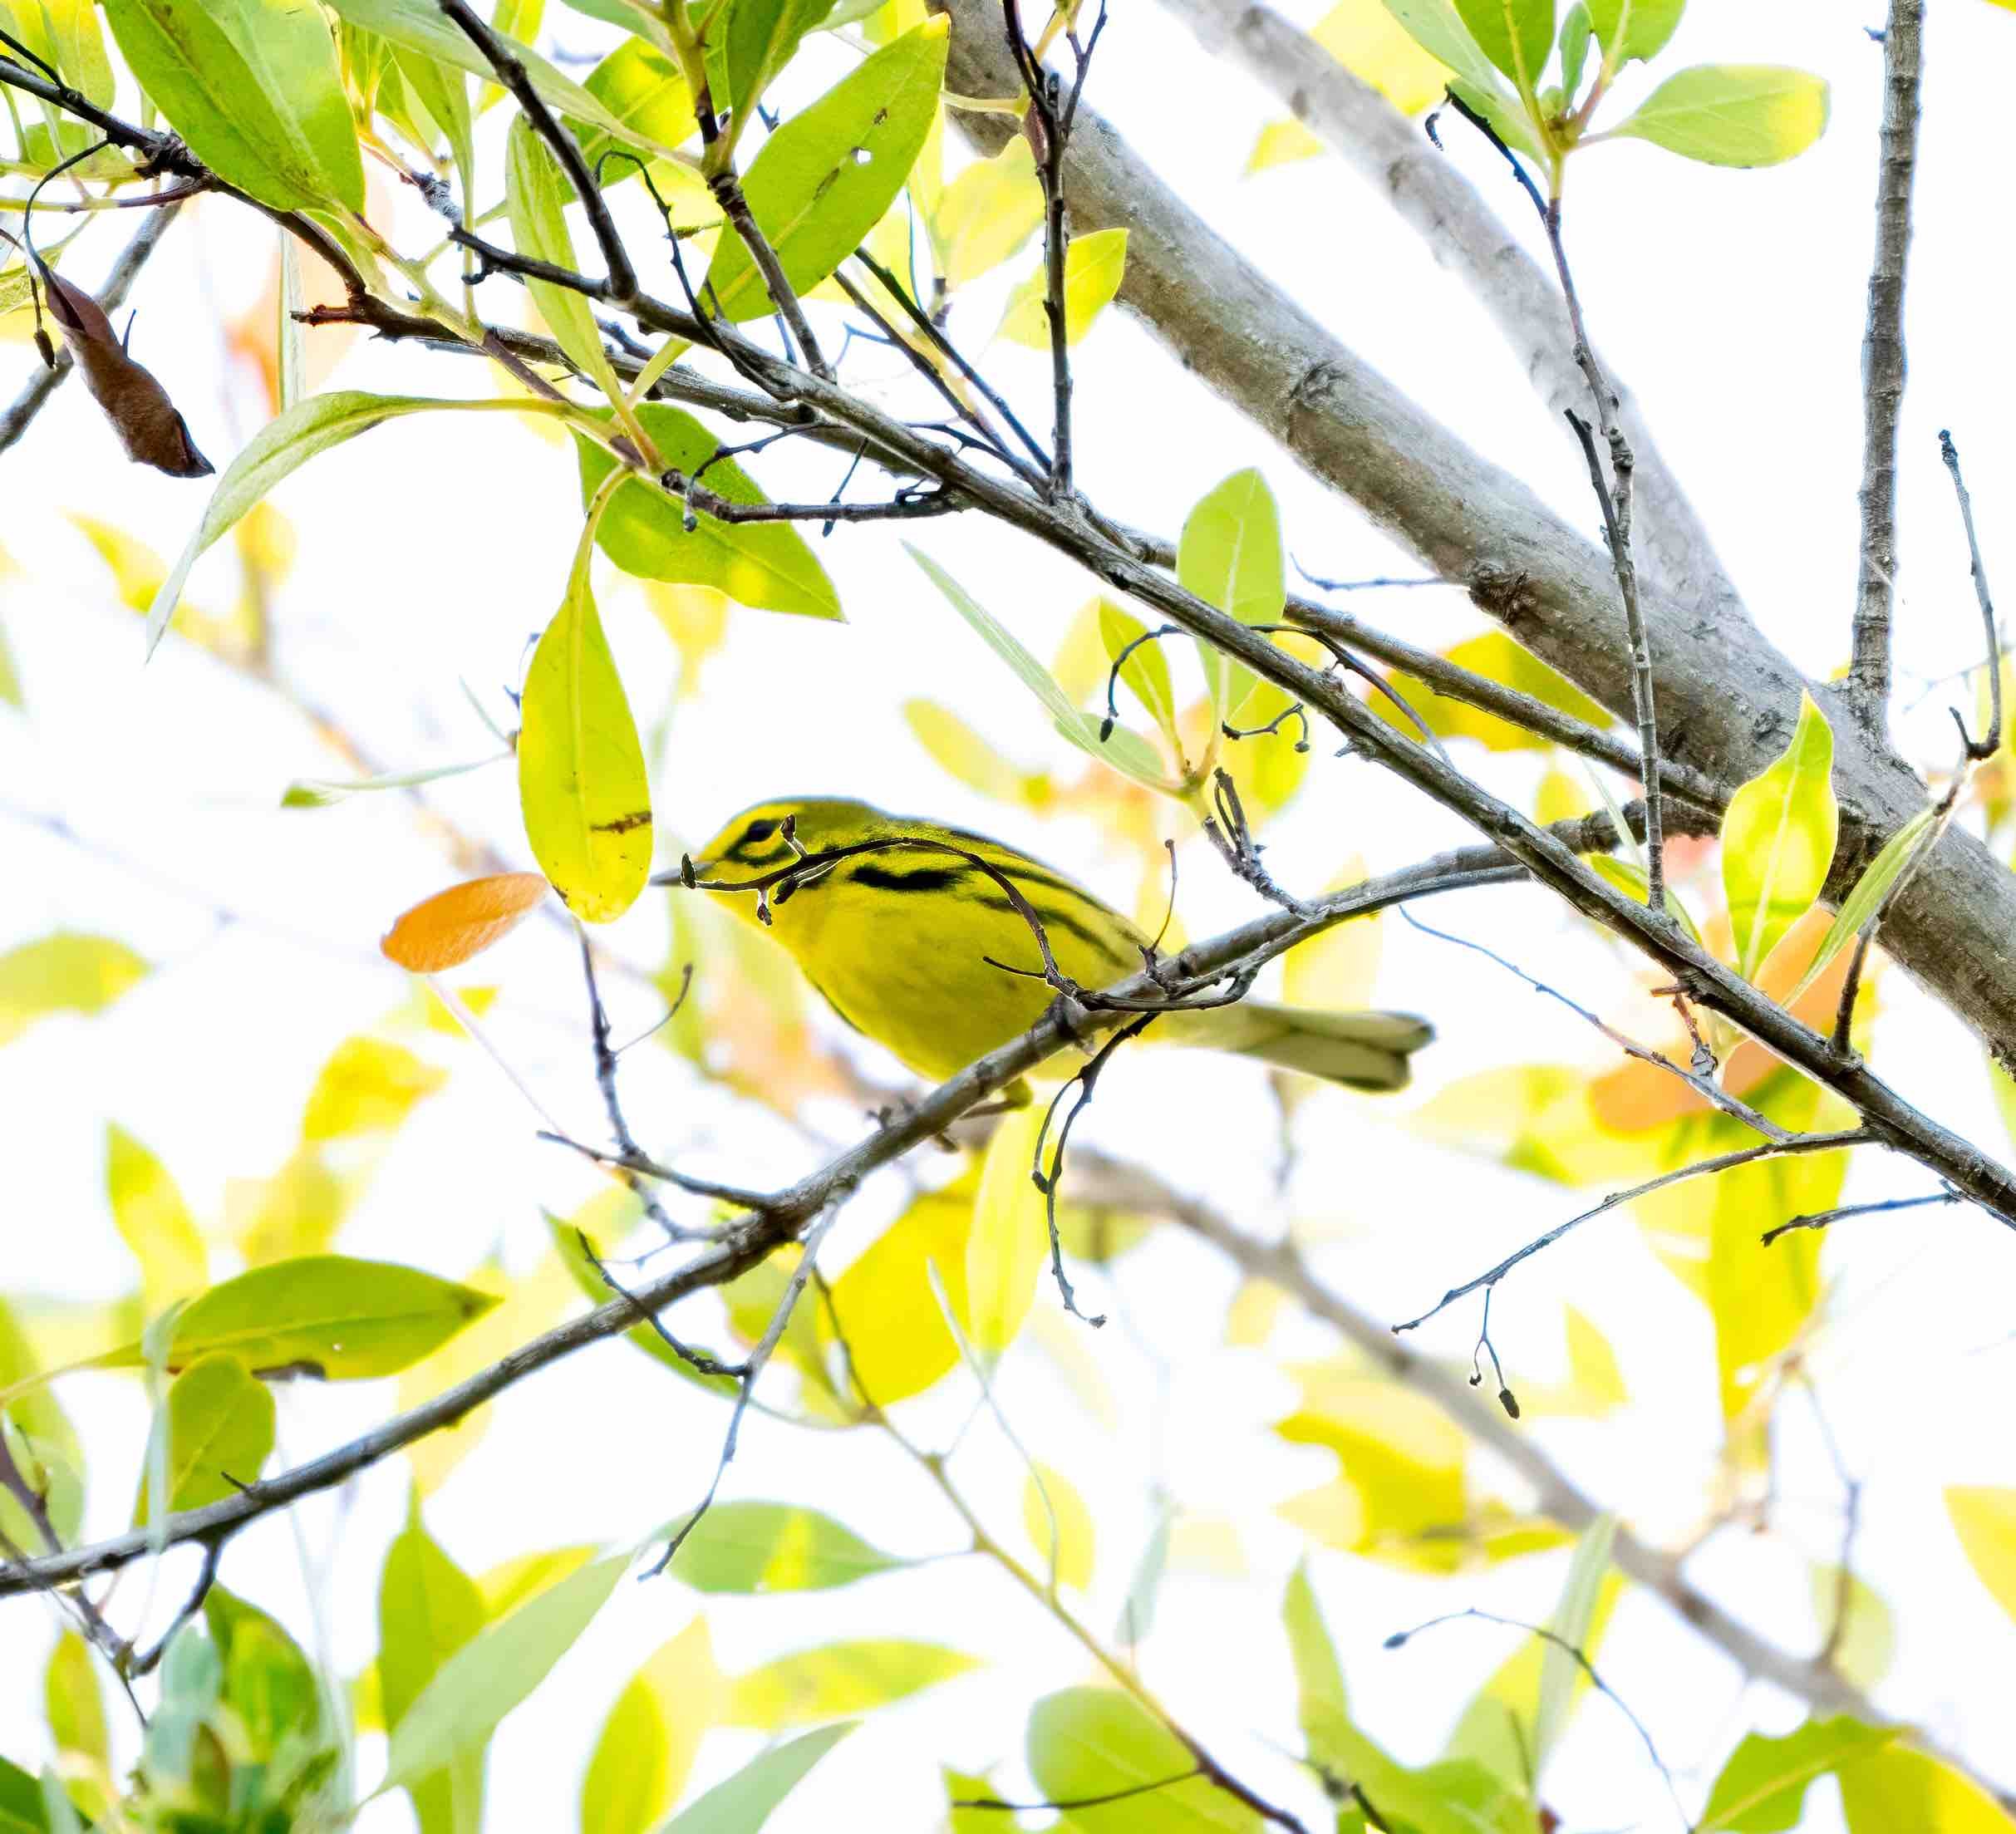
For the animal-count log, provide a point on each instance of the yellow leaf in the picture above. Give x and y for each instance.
(367, 1086)
(1281, 143)
(1592, 1364)
(967, 758)
(1365, 37)
(148, 1210)
(1778, 839)
(67, 972)
(1334, 971)
(888, 1312)
(1497, 656)
(1250, 1319)
(1207, 1544)
(297, 1211)
(1985, 1521)
(695, 618)
(646, 1746)
(1059, 1525)
(838, 1680)
(1898, 1788)
(1010, 1235)
(511, 1582)
(1560, 798)
(1093, 266)
(986, 212)
(444, 931)
(580, 777)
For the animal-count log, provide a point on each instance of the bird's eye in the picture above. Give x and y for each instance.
(759, 831)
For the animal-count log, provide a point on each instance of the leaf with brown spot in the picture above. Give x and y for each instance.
(444, 931)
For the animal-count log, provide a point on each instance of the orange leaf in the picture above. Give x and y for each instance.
(1636, 1096)
(444, 931)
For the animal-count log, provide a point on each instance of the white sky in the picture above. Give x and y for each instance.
(1733, 302)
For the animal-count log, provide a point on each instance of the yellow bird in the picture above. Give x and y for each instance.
(903, 942)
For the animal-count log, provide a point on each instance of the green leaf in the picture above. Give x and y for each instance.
(428, 1608)
(1647, 25)
(1094, 264)
(21, 1801)
(1323, 1706)
(1011, 1236)
(1898, 1788)
(1440, 30)
(219, 1425)
(774, 1548)
(1128, 752)
(1762, 1789)
(284, 445)
(1575, 33)
(647, 1743)
(745, 1802)
(443, 90)
(40, 1435)
(1145, 673)
(761, 35)
(268, 1682)
(839, 1679)
(67, 972)
(1866, 895)
(482, 1681)
(1088, 1742)
(581, 781)
(252, 85)
(1516, 35)
(824, 179)
(641, 88)
(768, 565)
(1632, 879)
(344, 1320)
(421, 25)
(1778, 840)
(1230, 556)
(536, 195)
(1561, 1677)
(1733, 113)
(986, 212)
(75, 1704)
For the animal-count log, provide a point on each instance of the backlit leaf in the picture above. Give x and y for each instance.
(1009, 1240)
(1087, 1741)
(446, 930)
(1439, 28)
(745, 1802)
(1145, 673)
(1494, 655)
(774, 1548)
(1733, 113)
(1868, 1640)
(1984, 1518)
(155, 1223)
(1516, 35)
(1762, 1789)
(428, 1608)
(42, 1437)
(536, 194)
(1094, 264)
(986, 214)
(368, 1085)
(761, 35)
(254, 89)
(646, 1745)
(1898, 1788)
(1059, 1525)
(494, 1672)
(510, 1582)
(219, 1426)
(1230, 556)
(769, 565)
(964, 756)
(74, 1701)
(642, 89)
(1867, 894)
(582, 782)
(887, 1311)
(1334, 971)
(824, 179)
(68, 971)
(1778, 840)
(1646, 26)
(838, 1678)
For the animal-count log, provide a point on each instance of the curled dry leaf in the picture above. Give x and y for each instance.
(138, 406)
(444, 931)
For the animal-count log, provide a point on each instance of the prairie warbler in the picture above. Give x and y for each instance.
(916, 946)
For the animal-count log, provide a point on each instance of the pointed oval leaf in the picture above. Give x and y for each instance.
(648, 1744)
(254, 89)
(883, 1303)
(1633, 28)
(495, 1671)
(1516, 35)
(1230, 556)
(745, 1800)
(769, 565)
(1145, 673)
(1009, 1242)
(824, 179)
(1733, 113)
(1094, 1742)
(1897, 1789)
(1059, 1525)
(219, 1426)
(1439, 28)
(150, 1214)
(761, 35)
(582, 782)
(774, 1548)
(1867, 895)
(446, 930)
(428, 1608)
(536, 197)
(1094, 264)
(1778, 840)
(986, 214)
(1984, 1518)
(838, 1679)
(68, 971)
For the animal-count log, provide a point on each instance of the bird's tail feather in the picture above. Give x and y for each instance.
(1360, 1050)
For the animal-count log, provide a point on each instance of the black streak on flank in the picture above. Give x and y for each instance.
(929, 878)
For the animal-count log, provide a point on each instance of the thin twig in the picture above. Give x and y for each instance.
(1869, 669)
(1985, 747)
(727, 189)
(1821, 1218)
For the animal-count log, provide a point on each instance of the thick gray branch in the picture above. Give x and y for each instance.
(1430, 194)
(1726, 699)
